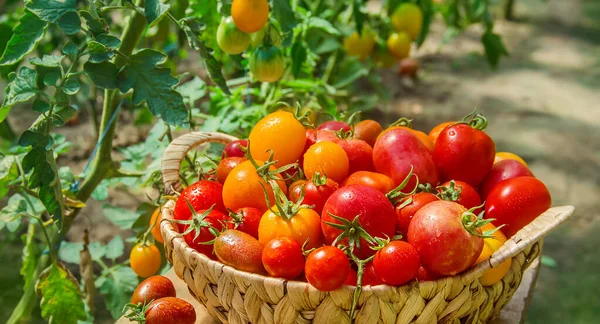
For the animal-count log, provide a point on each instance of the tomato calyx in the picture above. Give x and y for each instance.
(197, 223)
(472, 222)
(136, 312)
(264, 171)
(286, 209)
(319, 179)
(353, 231)
(405, 122)
(475, 120)
(450, 193)
(396, 195)
(300, 115)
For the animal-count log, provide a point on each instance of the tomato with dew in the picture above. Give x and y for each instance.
(283, 258)
(503, 170)
(145, 259)
(239, 250)
(153, 288)
(327, 268)
(396, 263)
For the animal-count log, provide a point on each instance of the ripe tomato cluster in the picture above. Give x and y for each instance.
(358, 204)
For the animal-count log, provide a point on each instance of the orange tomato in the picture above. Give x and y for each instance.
(326, 158)
(367, 130)
(435, 132)
(425, 139)
(374, 180)
(243, 187)
(155, 222)
(145, 260)
(225, 167)
(305, 224)
(250, 16)
(491, 245)
(280, 133)
(508, 156)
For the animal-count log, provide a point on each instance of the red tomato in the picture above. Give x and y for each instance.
(374, 180)
(239, 250)
(367, 130)
(375, 215)
(517, 202)
(201, 195)
(505, 169)
(397, 263)
(464, 153)
(327, 268)
(335, 125)
(468, 196)
(316, 191)
(444, 245)
(370, 277)
(424, 275)
(283, 258)
(405, 213)
(409, 67)
(435, 132)
(245, 219)
(234, 149)
(170, 310)
(360, 154)
(225, 167)
(352, 278)
(396, 151)
(153, 288)
(200, 232)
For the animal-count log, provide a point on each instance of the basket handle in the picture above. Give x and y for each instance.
(177, 150)
(531, 233)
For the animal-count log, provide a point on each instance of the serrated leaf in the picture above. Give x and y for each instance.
(155, 11)
(154, 85)
(104, 74)
(95, 24)
(61, 299)
(121, 217)
(10, 215)
(70, 23)
(71, 86)
(30, 256)
(283, 13)
(8, 172)
(299, 55)
(69, 251)
(192, 90)
(115, 248)
(40, 106)
(117, 288)
(51, 10)
(494, 47)
(322, 24)
(108, 41)
(26, 36)
(69, 49)
(47, 60)
(22, 88)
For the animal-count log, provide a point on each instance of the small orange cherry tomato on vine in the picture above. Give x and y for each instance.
(250, 16)
(326, 158)
(145, 259)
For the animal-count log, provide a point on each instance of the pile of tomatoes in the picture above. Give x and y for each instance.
(357, 204)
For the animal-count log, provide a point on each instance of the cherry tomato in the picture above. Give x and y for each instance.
(153, 288)
(491, 245)
(281, 134)
(409, 67)
(408, 17)
(244, 187)
(370, 277)
(230, 39)
(200, 232)
(397, 263)
(246, 219)
(375, 215)
(503, 170)
(170, 310)
(444, 244)
(517, 202)
(250, 16)
(399, 44)
(267, 63)
(435, 132)
(202, 195)
(405, 211)
(375, 180)
(360, 45)
(367, 130)
(155, 223)
(326, 158)
(352, 278)
(424, 275)
(304, 225)
(501, 156)
(464, 153)
(316, 191)
(240, 250)
(468, 196)
(235, 149)
(283, 258)
(145, 260)
(225, 167)
(360, 154)
(335, 126)
(327, 268)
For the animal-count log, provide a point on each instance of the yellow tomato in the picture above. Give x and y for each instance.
(304, 225)
(281, 134)
(408, 18)
(360, 45)
(508, 156)
(383, 58)
(399, 44)
(491, 245)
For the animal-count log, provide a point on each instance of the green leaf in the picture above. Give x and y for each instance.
(350, 72)
(10, 215)
(97, 250)
(154, 85)
(283, 13)
(192, 90)
(299, 55)
(70, 23)
(324, 25)
(51, 10)
(71, 86)
(108, 41)
(428, 16)
(359, 15)
(155, 11)
(29, 257)
(40, 106)
(96, 47)
(69, 49)
(22, 88)
(51, 79)
(209, 17)
(549, 262)
(104, 74)
(117, 288)
(26, 36)
(61, 299)
(98, 52)
(494, 48)
(9, 171)
(121, 217)
(96, 25)
(101, 191)
(69, 251)
(115, 248)
(47, 60)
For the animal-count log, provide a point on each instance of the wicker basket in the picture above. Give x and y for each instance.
(233, 296)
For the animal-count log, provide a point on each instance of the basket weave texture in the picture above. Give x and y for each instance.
(233, 296)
